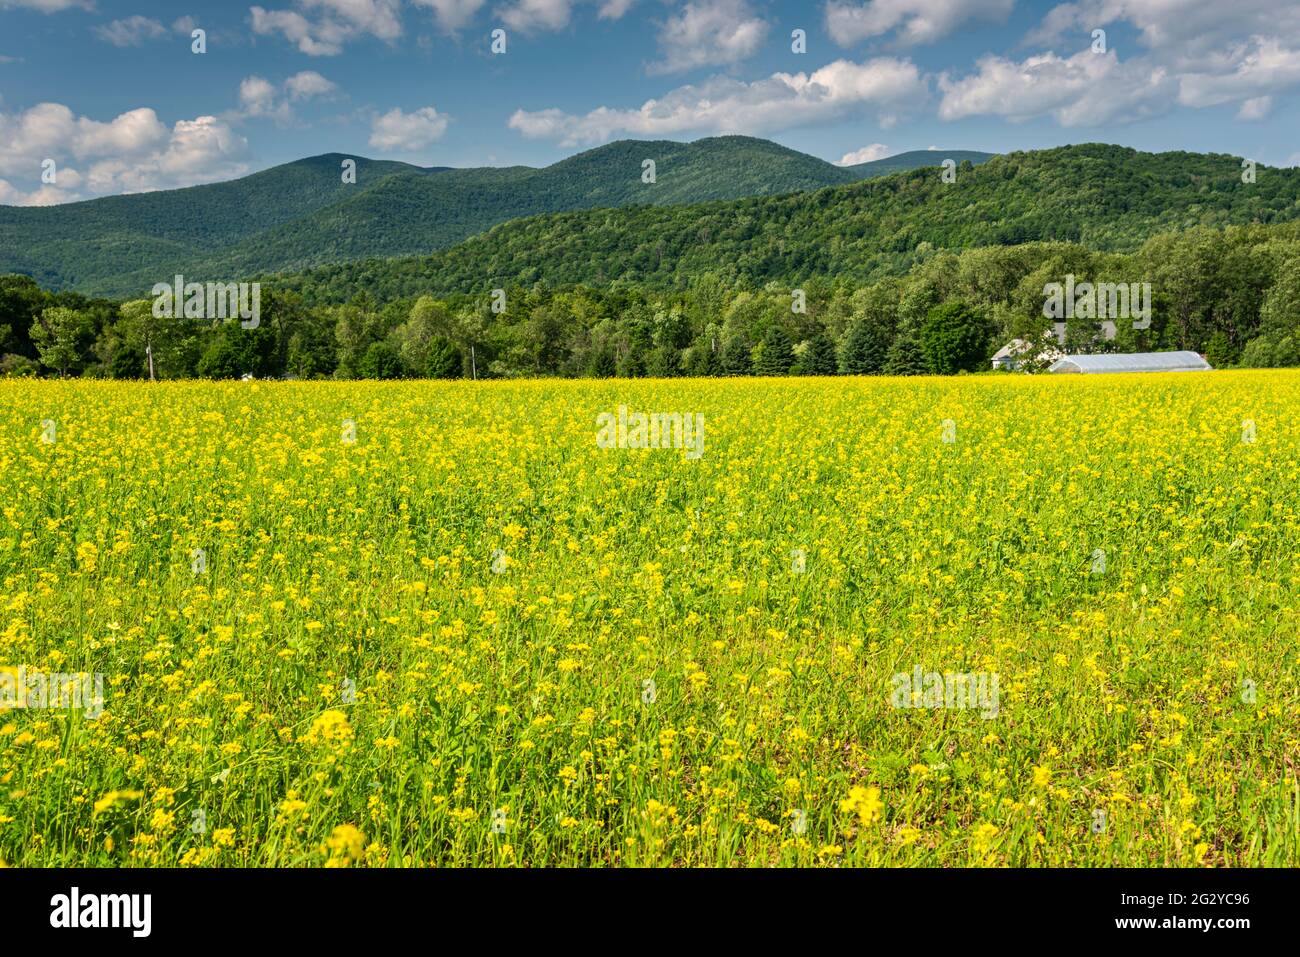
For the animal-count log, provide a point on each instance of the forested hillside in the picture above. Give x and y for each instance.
(302, 214)
(1231, 293)
(904, 275)
(1105, 198)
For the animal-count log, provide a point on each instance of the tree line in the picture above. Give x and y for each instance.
(1232, 294)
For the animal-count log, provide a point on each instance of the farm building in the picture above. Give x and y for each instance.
(1016, 352)
(1133, 362)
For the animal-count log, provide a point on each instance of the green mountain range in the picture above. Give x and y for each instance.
(302, 214)
(1106, 198)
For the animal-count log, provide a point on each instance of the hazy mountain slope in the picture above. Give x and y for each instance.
(76, 244)
(414, 212)
(1105, 197)
(915, 159)
(301, 214)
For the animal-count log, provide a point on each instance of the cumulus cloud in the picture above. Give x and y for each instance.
(396, 130)
(915, 21)
(614, 9)
(131, 31)
(134, 152)
(1214, 52)
(865, 155)
(1241, 52)
(1086, 89)
(47, 6)
(534, 16)
(452, 15)
(326, 25)
(1256, 109)
(260, 98)
(257, 98)
(308, 84)
(1179, 31)
(709, 33)
(724, 105)
(530, 15)
(1249, 71)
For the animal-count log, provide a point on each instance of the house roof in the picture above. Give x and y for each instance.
(1133, 362)
(1013, 348)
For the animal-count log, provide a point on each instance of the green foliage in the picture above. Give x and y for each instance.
(380, 361)
(905, 356)
(302, 214)
(1280, 312)
(774, 355)
(128, 362)
(1219, 351)
(221, 360)
(1271, 352)
(817, 357)
(954, 338)
(706, 290)
(865, 348)
(736, 357)
(57, 335)
(1097, 198)
(14, 366)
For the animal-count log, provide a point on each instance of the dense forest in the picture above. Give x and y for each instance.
(1103, 197)
(1232, 293)
(303, 214)
(903, 274)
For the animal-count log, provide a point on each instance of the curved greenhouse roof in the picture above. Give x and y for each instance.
(1133, 362)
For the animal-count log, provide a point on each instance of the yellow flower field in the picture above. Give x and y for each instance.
(456, 631)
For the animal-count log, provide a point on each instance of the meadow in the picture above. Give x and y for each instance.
(435, 624)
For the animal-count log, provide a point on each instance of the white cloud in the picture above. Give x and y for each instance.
(52, 130)
(307, 84)
(396, 130)
(1086, 89)
(260, 98)
(1256, 109)
(1178, 31)
(1217, 52)
(336, 22)
(132, 133)
(131, 31)
(452, 15)
(200, 150)
(865, 155)
(709, 33)
(257, 98)
(45, 196)
(916, 21)
(614, 9)
(529, 15)
(723, 105)
(134, 152)
(47, 6)
(1249, 71)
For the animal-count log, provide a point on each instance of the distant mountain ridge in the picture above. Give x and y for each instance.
(301, 214)
(1102, 197)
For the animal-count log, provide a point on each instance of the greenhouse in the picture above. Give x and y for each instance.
(1133, 362)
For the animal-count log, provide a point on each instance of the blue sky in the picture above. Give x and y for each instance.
(112, 92)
